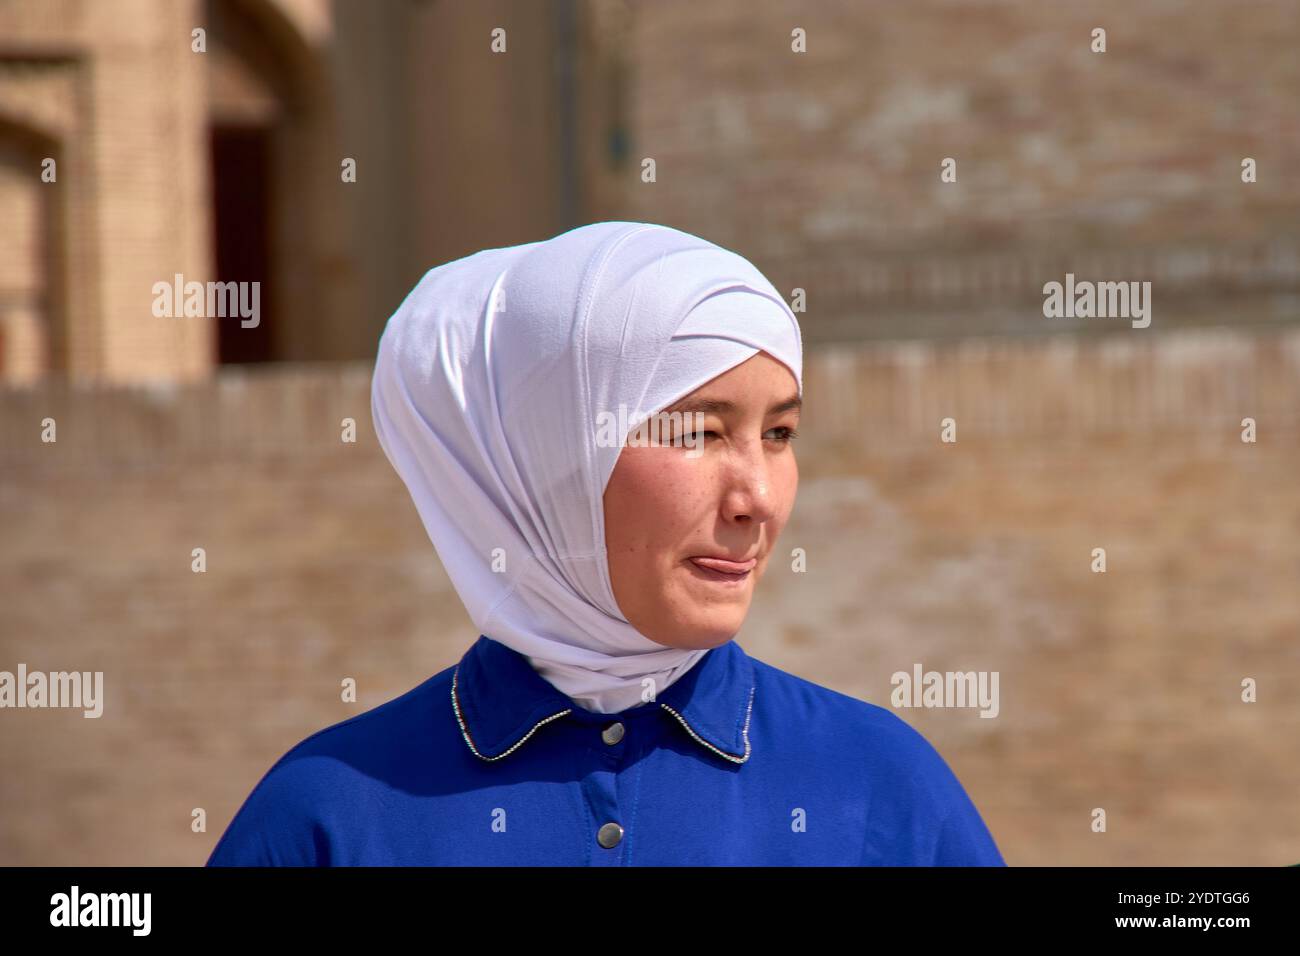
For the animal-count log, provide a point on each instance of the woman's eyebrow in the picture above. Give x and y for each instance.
(719, 406)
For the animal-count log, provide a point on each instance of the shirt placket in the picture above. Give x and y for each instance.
(607, 760)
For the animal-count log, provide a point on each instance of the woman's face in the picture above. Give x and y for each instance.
(668, 505)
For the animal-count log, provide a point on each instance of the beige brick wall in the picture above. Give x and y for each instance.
(823, 167)
(1117, 690)
(119, 86)
(456, 149)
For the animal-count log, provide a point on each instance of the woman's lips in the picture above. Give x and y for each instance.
(737, 569)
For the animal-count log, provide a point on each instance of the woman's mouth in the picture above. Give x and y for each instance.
(723, 571)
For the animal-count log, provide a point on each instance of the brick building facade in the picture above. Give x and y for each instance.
(1120, 690)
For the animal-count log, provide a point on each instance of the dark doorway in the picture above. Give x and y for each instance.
(241, 180)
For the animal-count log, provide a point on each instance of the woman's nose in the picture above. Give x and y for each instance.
(749, 493)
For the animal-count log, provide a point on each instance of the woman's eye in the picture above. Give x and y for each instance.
(783, 435)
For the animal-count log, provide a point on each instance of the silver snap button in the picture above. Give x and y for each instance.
(609, 835)
(612, 734)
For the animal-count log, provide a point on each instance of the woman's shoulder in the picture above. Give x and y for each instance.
(854, 736)
(377, 728)
(918, 808)
(802, 703)
(329, 777)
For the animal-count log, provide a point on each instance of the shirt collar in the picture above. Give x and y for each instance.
(499, 702)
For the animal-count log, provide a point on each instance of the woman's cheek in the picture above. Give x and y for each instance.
(678, 483)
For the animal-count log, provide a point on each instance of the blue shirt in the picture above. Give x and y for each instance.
(488, 764)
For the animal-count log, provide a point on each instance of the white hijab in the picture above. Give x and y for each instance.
(486, 391)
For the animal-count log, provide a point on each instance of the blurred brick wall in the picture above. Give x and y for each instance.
(1118, 690)
(824, 166)
(456, 149)
(133, 205)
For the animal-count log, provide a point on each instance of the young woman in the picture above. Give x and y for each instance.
(607, 551)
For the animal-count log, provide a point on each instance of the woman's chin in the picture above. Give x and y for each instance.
(704, 635)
